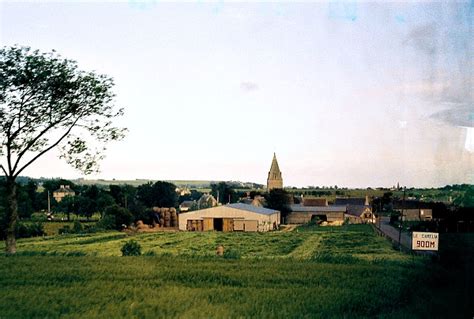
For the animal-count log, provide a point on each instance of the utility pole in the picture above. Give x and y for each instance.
(401, 221)
(49, 205)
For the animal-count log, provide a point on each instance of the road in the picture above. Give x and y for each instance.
(393, 232)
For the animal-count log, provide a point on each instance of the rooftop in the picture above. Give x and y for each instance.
(299, 208)
(253, 209)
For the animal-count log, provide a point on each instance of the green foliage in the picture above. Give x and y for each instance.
(118, 217)
(225, 191)
(467, 199)
(77, 227)
(47, 102)
(131, 248)
(159, 194)
(66, 229)
(106, 223)
(279, 199)
(30, 230)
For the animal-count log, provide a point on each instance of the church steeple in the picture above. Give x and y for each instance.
(274, 179)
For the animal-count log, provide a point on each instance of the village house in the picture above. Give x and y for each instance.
(63, 191)
(231, 217)
(417, 214)
(413, 210)
(187, 205)
(206, 201)
(358, 210)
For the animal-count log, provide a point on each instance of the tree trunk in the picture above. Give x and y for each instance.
(12, 217)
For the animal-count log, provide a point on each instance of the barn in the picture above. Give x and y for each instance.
(333, 215)
(231, 217)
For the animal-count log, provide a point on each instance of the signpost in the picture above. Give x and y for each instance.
(424, 241)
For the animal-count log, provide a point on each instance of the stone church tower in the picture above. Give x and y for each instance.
(274, 175)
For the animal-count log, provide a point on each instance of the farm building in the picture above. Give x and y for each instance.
(304, 214)
(358, 211)
(231, 217)
(187, 205)
(417, 214)
(314, 201)
(357, 214)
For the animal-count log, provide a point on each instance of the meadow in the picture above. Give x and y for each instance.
(308, 273)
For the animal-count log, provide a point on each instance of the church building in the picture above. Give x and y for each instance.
(274, 176)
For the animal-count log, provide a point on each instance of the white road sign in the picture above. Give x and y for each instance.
(424, 241)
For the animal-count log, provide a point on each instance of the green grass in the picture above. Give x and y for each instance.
(358, 240)
(316, 273)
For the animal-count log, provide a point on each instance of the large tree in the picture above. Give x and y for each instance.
(279, 199)
(47, 102)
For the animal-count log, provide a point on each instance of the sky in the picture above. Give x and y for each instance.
(346, 93)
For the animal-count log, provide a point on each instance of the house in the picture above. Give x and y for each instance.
(257, 201)
(417, 214)
(63, 191)
(358, 211)
(333, 215)
(187, 205)
(206, 201)
(231, 217)
(414, 210)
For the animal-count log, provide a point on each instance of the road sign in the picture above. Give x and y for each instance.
(424, 241)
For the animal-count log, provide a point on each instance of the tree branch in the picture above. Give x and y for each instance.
(9, 152)
(3, 169)
(32, 142)
(48, 149)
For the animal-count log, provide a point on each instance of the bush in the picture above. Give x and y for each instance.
(149, 253)
(77, 227)
(29, 230)
(106, 223)
(38, 217)
(131, 248)
(65, 230)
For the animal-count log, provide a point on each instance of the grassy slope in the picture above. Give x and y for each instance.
(300, 274)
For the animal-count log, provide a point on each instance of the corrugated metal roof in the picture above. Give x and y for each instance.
(253, 209)
(308, 209)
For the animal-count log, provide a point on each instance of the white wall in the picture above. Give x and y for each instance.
(265, 222)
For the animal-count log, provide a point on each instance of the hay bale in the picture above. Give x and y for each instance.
(174, 218)
(156, 209)
(172, 210)
(220, 250)
(141, 225)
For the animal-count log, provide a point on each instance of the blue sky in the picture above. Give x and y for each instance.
(345, 93)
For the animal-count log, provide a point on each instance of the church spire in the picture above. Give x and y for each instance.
(275, 179)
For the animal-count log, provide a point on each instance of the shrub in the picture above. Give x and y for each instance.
(77, 227)
(65, 230)
(131, 248)
(29, 230)
(38, 217)
(149, 253)
(106, 223)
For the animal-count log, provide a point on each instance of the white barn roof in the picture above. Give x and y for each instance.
(253, 209)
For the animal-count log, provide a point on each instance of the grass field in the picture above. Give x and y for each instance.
(310, 273)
